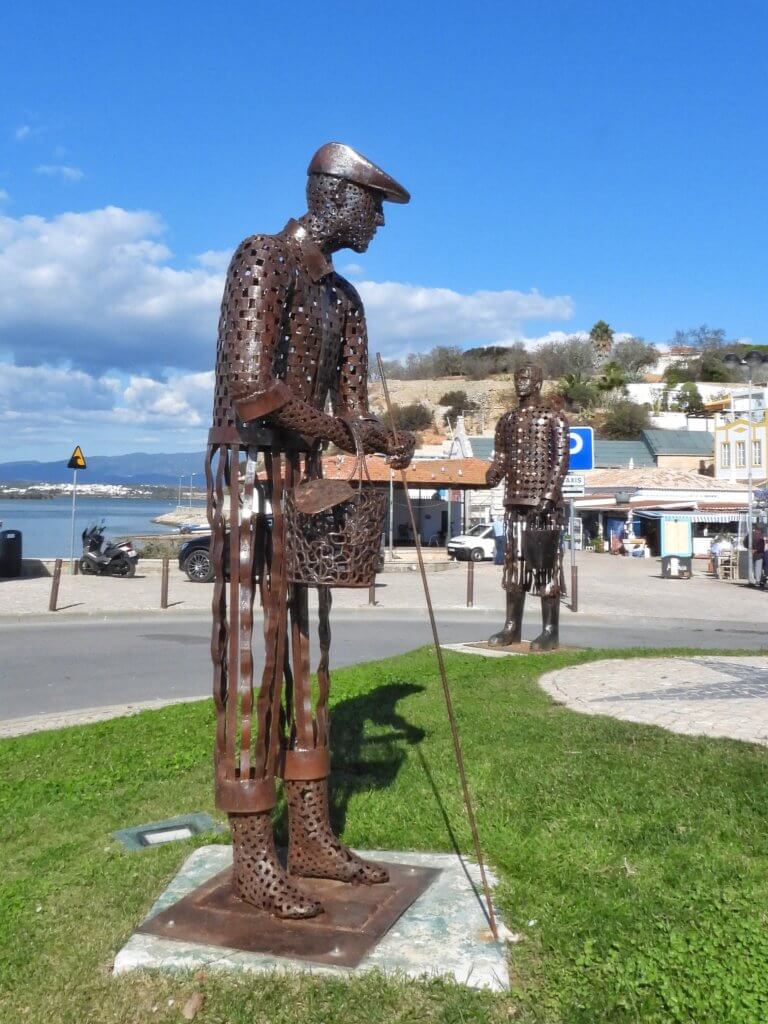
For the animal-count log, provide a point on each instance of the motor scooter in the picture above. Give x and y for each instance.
(106, 560)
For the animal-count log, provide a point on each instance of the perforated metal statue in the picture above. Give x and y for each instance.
(292, 340)
(531, 456)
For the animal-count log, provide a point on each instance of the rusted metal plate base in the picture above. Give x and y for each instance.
(356, 918)
(524, 647)
(444, 933)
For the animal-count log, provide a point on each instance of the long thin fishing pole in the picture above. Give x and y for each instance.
(443, 675)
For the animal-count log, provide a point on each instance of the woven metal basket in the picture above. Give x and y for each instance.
(339, 545)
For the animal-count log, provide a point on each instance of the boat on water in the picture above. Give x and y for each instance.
(194, 528)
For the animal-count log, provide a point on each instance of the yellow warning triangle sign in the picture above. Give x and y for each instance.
(76, 459)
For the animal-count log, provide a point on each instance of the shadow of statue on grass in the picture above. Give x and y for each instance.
(369, 738)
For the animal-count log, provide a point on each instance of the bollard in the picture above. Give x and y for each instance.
(55, 586)
(470, 584)
(164, 583)
(574, 588)
(372, 595)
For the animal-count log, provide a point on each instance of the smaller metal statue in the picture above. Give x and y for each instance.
(531, 456)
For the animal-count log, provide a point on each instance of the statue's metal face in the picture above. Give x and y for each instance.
(348, 213)
(528, 380)
(361, 213)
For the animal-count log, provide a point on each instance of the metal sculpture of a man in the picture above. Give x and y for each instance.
(292, 339)
(531, 457)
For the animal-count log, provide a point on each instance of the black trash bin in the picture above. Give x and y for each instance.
(10, 554)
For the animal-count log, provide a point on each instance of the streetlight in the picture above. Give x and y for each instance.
(752, 360)
(191, 478)
(181, 477)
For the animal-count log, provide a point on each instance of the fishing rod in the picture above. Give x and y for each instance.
(443, 674)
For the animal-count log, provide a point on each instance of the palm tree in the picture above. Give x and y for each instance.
(612, 378)
(601, 337)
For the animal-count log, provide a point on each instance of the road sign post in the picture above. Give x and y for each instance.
(582, 449)
(581, 457)
(76, 461)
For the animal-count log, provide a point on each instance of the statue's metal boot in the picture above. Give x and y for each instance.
(313, 849)
(549, 638)
(257, 875)
(513, 627)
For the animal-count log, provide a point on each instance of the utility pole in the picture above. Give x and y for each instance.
(391, 514)
(72, 532)
(76, 461)
(750, 360)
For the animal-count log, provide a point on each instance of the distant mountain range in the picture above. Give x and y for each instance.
(136, 468)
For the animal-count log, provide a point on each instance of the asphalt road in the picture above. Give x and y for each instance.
(48, 667)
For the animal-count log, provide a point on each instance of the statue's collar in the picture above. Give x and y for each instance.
(315, 260)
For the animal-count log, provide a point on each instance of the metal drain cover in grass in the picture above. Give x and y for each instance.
(157, 833)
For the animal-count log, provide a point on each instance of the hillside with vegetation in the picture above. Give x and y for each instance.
(586, 374)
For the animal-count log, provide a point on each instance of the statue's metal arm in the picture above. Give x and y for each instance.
(497, 468)
(560, 452)
(256, 391)
(259, 394)
(349, 395)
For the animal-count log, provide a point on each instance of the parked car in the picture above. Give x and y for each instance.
(477, 545)
(195, 558)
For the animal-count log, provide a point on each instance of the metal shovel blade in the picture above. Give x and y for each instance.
(319, 495)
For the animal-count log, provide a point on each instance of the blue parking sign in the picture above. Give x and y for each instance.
(582, 453)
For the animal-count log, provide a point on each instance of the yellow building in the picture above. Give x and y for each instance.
(737, 449)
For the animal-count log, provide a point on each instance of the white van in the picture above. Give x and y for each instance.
(478, 544)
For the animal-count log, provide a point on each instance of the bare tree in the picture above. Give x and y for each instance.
(633, 356)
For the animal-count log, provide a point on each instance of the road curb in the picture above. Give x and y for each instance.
(85, 716)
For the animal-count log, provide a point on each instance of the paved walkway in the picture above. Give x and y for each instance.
(698, 696)
(628, 589)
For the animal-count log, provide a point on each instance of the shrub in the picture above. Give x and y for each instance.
(458, 403)
(158, 547)
(415, 416)
(625, 420)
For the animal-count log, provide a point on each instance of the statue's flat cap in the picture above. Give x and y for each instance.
(342, 161)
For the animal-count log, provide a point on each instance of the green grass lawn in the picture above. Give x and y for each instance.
(634, 861)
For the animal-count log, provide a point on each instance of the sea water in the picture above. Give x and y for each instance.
(46, 523)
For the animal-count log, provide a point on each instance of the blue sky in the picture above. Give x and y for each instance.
(568, 161)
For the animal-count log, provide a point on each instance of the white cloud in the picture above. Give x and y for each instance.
(421, 317)
(48, 390)
(40, 405)
(543, 339)
(352, 269)
(96, 289)
(64, 171)
(99, 291)
(22, 132)
(182, 399)
(215, 259)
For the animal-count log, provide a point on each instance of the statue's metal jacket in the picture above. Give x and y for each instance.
(531, 457)
(292, 341)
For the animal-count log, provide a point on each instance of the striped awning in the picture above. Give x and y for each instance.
(724, 516)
